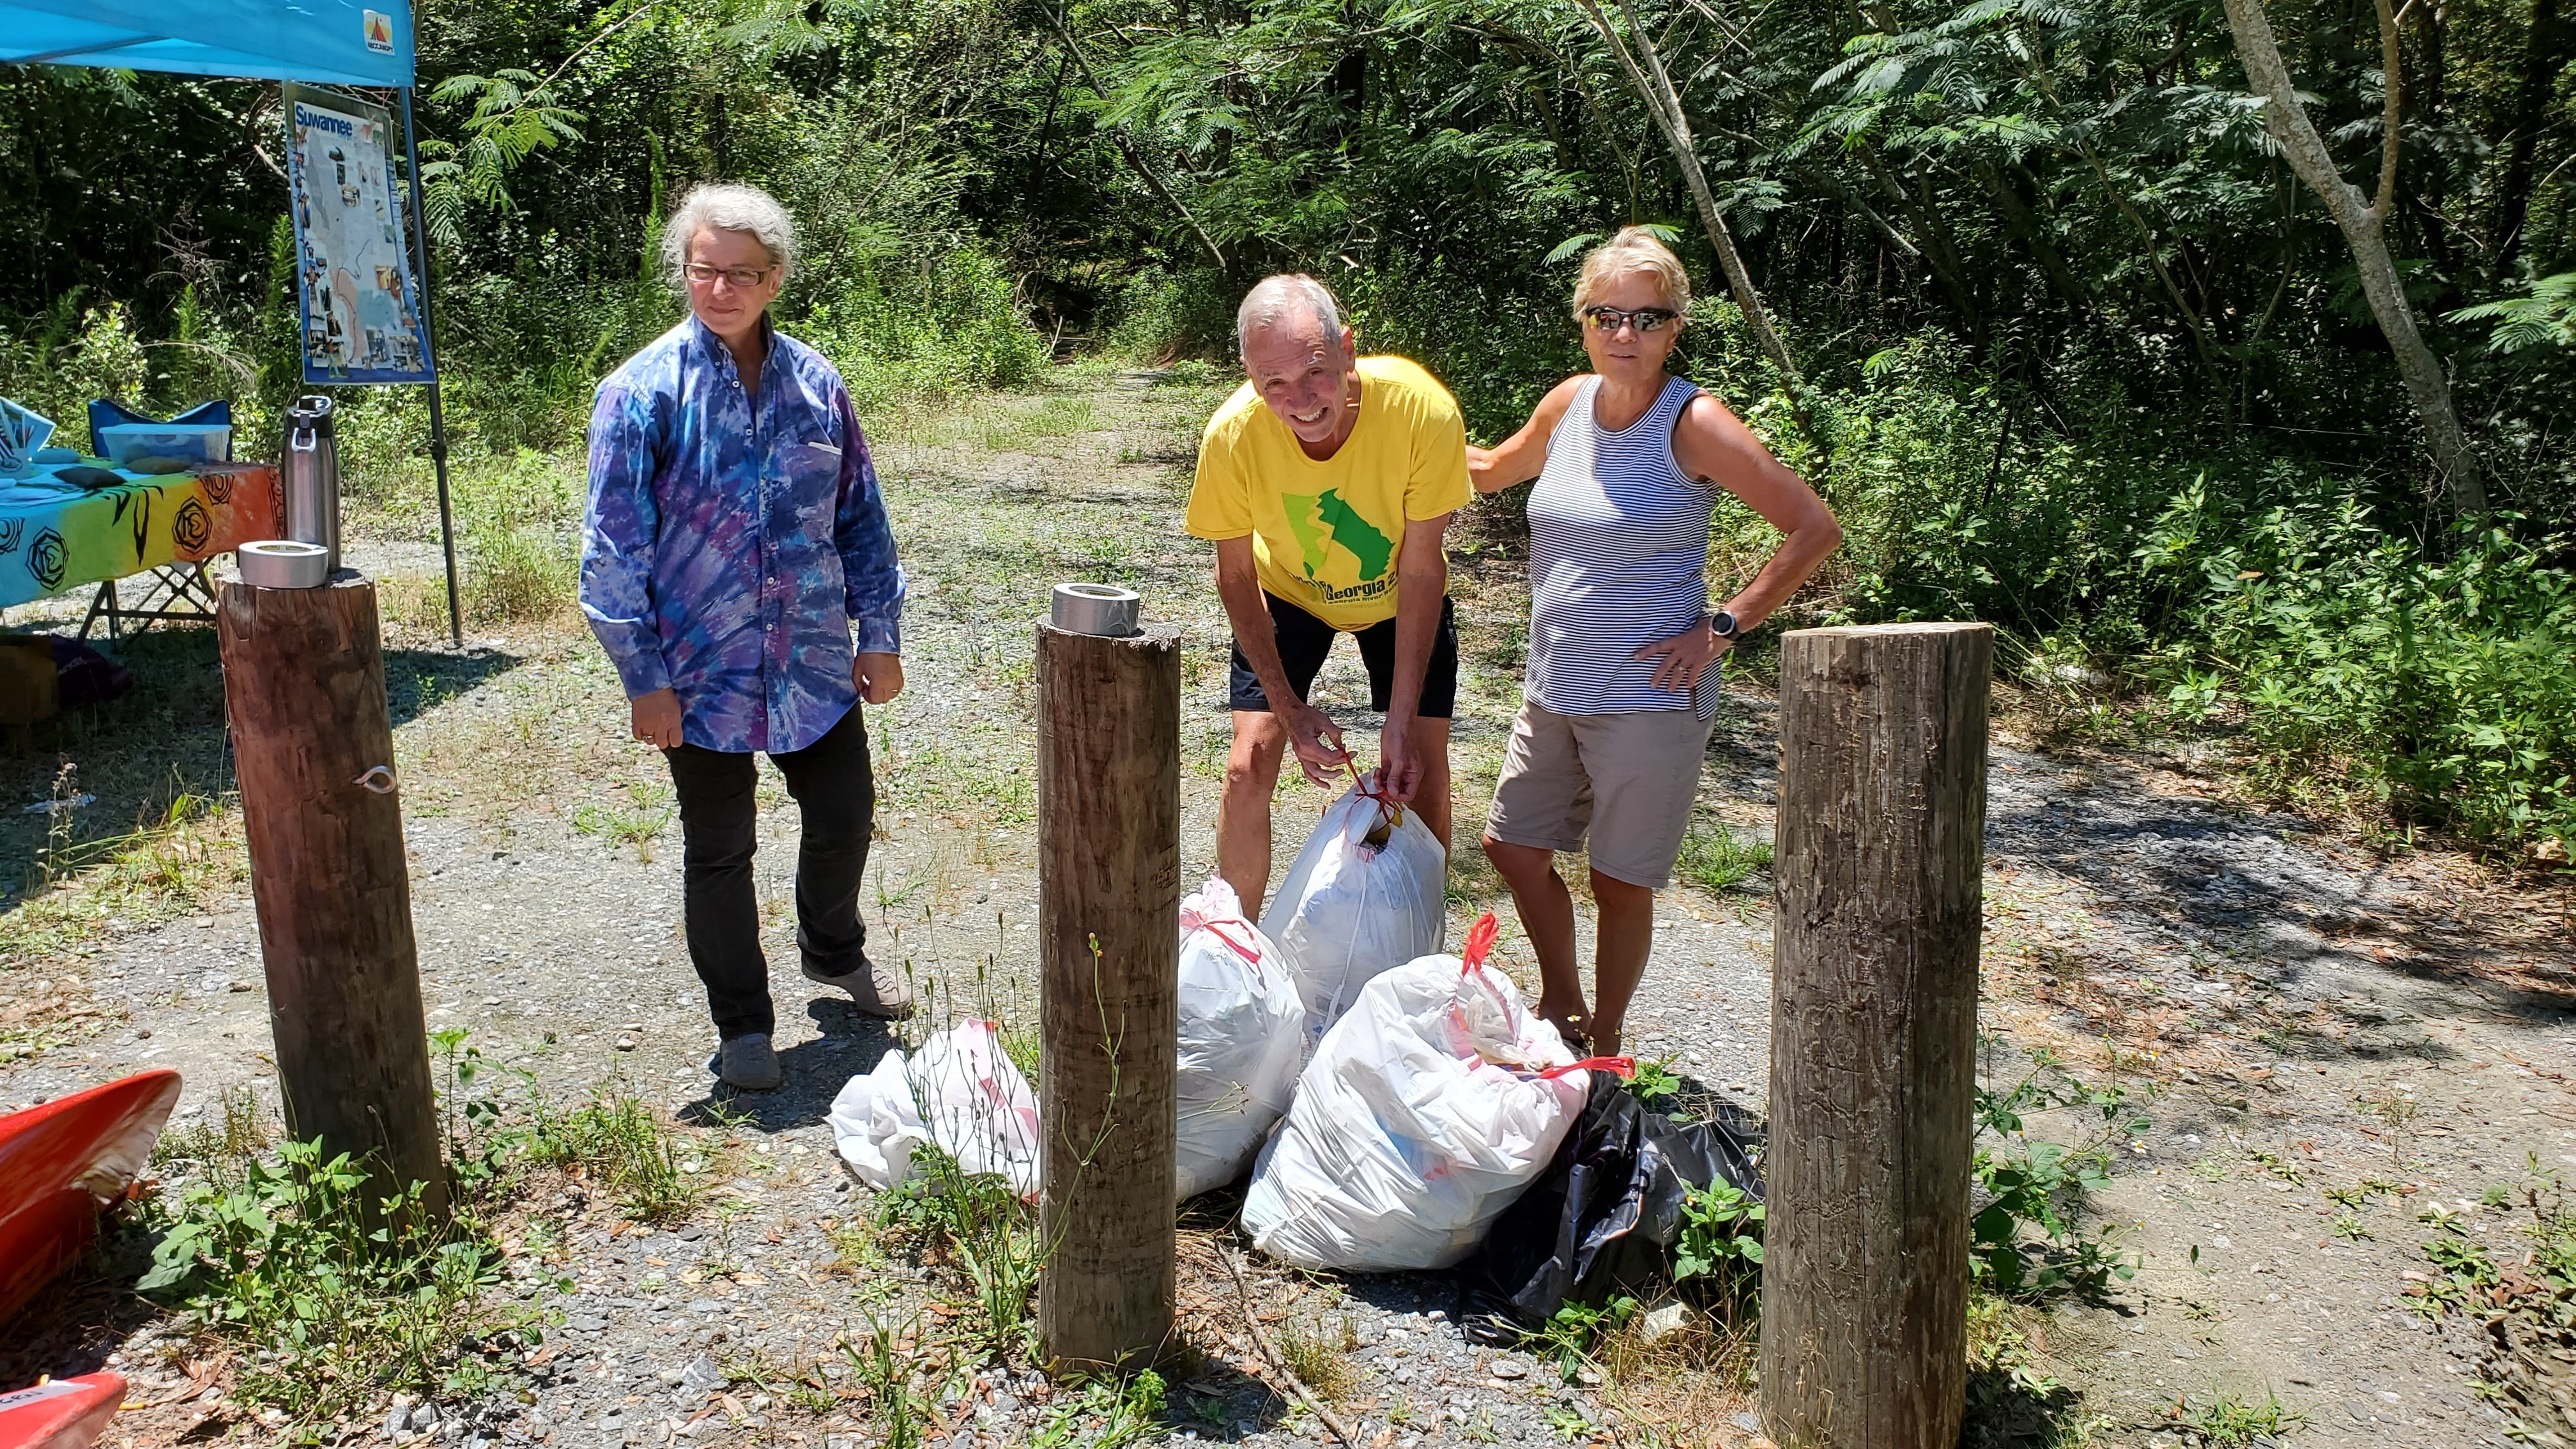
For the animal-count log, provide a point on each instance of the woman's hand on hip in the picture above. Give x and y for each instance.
(879, 677)
(656, 718)
(1680, 660)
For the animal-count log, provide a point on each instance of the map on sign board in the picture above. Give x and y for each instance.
(361, 302)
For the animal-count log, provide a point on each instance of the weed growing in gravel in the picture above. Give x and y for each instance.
(2229, 1419)
(1318, 1352)
(638, 826)
(236, 1131)
(346, 1294)
(614, 1140)
(900, 1396)
(2026, 1240)
(1721, 858)
(1109, 1414)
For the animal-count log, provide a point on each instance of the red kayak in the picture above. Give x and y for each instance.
(59, 1164)
(60, 1413)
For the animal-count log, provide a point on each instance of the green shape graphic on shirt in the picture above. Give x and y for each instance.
(1320, 522)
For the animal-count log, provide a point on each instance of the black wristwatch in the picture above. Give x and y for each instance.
(1723, 623)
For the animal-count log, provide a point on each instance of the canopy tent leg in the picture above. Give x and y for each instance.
(428, 339)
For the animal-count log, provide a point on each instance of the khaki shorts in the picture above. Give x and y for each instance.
(1628, 780)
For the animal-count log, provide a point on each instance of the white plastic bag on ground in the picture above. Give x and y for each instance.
(1366, 895)
(1242, 1037)
(1431, 1105)
(960, 1092)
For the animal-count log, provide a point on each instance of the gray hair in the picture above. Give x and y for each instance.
(728, 206)
(1273, 300)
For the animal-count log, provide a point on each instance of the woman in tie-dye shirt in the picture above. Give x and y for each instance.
(738, 568)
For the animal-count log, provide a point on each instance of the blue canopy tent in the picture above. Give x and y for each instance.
(320, 42)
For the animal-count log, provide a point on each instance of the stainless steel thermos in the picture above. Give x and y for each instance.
(313, 478)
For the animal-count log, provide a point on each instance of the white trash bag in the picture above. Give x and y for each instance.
(1242, 1038)
(1427, 1110)
(960, 1092)
(1366, 895)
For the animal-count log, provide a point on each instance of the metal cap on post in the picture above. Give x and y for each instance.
(1104, 610)
(1109, 864)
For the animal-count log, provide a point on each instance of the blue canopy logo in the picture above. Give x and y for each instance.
(380, 32)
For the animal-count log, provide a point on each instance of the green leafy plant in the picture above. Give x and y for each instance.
(2027, 1239)
(1720, 1245)
(1572, 1332)
(2229, 1419)
(1107, 1414)
(353, 1294)
(617, 1141)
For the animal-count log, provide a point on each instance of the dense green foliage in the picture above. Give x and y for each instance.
(2074, 336)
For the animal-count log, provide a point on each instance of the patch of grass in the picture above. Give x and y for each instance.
(185, 852)
(1108, 1414)
(638, 825)
(236, 1131)
(1317, 1350)
(2227, 1419)
(615, 1140)
(901, 1396)
(1720, 858)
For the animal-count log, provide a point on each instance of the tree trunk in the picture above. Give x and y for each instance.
(304, 689)
(2027, 228)
(1665, 105)
(2362, 223)
(2543, 55)
(1873, 1034)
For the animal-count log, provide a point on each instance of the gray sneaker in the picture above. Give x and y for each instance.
(877, 991)
(747, 1062)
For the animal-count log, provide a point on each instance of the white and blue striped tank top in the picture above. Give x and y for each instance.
(1618, 560)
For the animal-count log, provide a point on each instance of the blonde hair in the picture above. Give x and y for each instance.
(1634, 249)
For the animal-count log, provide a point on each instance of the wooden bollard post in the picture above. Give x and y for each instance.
(313, 749)
(1879, 861)
(1109, 865)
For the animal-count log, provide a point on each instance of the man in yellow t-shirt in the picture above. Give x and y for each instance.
(1326, 481)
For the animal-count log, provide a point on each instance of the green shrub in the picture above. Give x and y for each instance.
(2445, 686)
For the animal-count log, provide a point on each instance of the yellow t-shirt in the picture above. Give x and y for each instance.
(1325, 535)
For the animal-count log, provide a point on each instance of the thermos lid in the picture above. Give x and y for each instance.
(310, 413)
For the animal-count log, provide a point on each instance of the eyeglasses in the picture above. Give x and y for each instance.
(741, 279)
(1644, 319)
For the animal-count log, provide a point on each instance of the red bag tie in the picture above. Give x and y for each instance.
(1624, 1068)
(1243, 948)
(1480, 941)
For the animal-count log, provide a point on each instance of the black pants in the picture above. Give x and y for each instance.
(836, 794)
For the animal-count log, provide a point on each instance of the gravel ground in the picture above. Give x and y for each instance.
(2279, 995)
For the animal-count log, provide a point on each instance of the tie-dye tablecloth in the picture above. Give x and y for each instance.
(54, 537)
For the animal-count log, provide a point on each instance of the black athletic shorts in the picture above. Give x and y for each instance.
(1304, 640)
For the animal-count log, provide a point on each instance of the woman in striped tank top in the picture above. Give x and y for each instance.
(1620, 687)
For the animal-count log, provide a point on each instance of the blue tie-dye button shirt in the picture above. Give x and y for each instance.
(734, 545)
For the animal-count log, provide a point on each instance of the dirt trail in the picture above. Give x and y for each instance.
(2286, 997)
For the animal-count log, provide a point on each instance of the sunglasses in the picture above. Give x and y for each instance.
(741, 279)
(1644, 319)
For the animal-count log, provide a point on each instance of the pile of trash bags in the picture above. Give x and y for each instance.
(1427, 1109)
(1398, 1107)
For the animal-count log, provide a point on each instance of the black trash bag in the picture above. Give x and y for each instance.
(86, 676)
(1603, 1218)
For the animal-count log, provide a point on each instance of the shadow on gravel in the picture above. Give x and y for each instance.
(420, 680)
(2202, 876)
(851, 1045)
